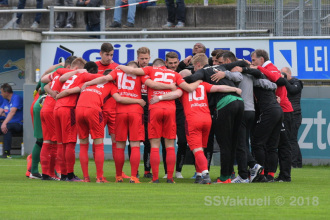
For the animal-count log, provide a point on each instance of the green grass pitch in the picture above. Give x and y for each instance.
(306, 197)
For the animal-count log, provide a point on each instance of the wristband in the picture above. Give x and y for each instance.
(160, 97)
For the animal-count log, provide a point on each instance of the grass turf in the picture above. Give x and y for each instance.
(306, 197)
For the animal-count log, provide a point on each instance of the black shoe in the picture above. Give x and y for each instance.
(270, 179)
(64, 177)
(170, 181)
(206, 179)
(128, 25)
(35, 176)
(262, 179)
(156, 181)
(282, 179)
(115, 24)
(148, 175)
(6, 154)
(198, 179)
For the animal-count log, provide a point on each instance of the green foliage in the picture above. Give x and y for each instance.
(306, 197)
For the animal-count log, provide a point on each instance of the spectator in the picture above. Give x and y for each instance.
(21, 5)
(4, 3)
(294, 87)
(92, 18)
(130, 14)
(178, 13)
(62, 16)
(186, 63)
(12, 109)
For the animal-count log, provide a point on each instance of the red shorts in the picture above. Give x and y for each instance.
(48, 125)
(65, 125)
(161, 123)
(109, 119)
(89, 120)
(197, 131)
(129, 123)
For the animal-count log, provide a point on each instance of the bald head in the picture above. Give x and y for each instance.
(185, 73)
(287, 71)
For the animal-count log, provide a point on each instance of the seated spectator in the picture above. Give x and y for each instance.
(92, 18)
(21, 5)
(65, 19)
(175, 13)
(130, 14)
(12, 110)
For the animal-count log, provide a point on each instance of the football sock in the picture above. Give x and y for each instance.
(262, 172)
(29, 162)
(45, 158)
(135, 160)
(53, 155)
(201, 161)
(83, 157)
(170, 161)
(99, 159)
(36, 156)
(154, 162)
(119, 162)
(61, 158)
(70, 156)
(271, 174)
(114, 150)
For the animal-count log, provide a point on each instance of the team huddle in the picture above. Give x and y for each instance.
(137, 103)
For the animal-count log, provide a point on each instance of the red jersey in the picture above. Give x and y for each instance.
(163, 75)
(273, 74)
(102, 67)
(128, 86)
(74, 81)
(56, 85)
(93, 96)
(195, 103)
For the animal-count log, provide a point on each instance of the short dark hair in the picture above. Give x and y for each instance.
(91, 67)
(132, 63)
(261, 53)
(215, 52)
(6, 88)
(229, 55)
(106, 47)
(171, 55)
(107, 71)
(219, 54)
(158, 62)
(69, 60)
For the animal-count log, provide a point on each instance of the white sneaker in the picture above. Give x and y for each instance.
(178, 175)
(35, 25)
(239, 179)
(165, 177)
(255, 171)
(69, 26)
(180, 24)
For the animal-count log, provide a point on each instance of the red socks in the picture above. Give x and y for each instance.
(201, 161)
(119, 162)
(99, 159)
(61, 158)
(45, 158)
(135, 160)
(154, 162)
(83, 157)
(170, 161)
(114, 149)
(53, 155)
(70, 156)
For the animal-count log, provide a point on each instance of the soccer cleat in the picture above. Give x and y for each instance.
(178, 175)
(147, 175)
(205, 179)
(6, 155)
(270, 179)
(169, 25)
(262, 179)
(46, 177)
(119, 179)
(198, 179)
(134, 180)
(64, 177)
(194, 176)
(219, 181)
(35, 176)
(239, 179)
(154, 181)
(101, 180)
(27, 174)
(165, 177)
(35, 25)
(170, 181)
(74, 179)
(255, 173)
(87, 179)
(281, 179)
(125, 176)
